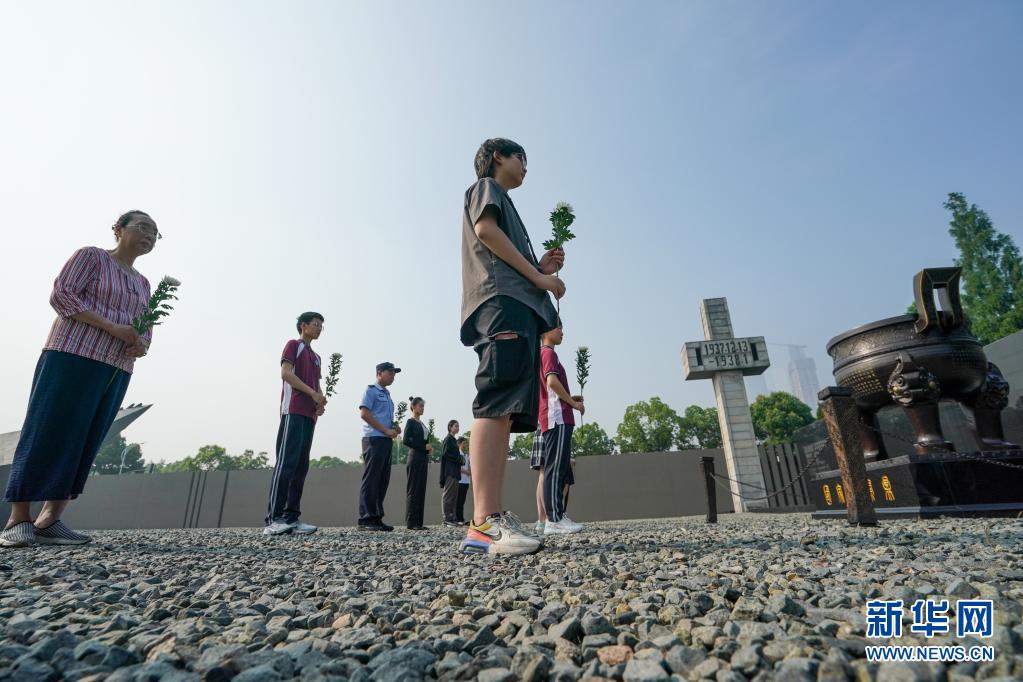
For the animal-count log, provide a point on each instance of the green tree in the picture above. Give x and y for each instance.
(699, 429)
(328, 462)
(250, 460)
(648, 426)
(992, 292)
(590, 439)
(438, 446)
(776, 416)
(215, 458)
(522, 446)
(108, 459)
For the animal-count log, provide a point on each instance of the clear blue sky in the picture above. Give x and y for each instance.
(792, 156)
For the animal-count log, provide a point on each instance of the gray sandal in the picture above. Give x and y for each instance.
(19, 535)
(58, 533)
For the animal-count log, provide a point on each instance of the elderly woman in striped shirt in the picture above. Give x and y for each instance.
(80, 381)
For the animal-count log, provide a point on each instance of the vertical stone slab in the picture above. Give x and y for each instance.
(741, 456)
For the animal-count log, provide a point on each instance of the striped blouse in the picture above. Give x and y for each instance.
(93, 280)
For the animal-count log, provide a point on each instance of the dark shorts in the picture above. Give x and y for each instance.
(536, 455)
(549, 444)
(508, 378)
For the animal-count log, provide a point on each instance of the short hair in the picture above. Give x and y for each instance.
(125, 218)
(415, 401)
(307, 318)
(485, 156)
(452, 423)
(460, 440)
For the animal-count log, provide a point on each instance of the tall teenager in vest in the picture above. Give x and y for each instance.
(505, 308)
(417, 440)
(301, 404)
(80, 381)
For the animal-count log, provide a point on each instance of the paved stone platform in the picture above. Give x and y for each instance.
(757, 596)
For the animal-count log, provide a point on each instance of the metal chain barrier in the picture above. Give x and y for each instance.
(718, 478)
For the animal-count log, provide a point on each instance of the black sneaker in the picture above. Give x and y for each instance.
(452, 524)
(385, 527)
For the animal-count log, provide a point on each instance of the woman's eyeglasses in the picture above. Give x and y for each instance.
(146, 230)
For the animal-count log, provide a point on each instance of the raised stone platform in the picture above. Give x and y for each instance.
(926, 486)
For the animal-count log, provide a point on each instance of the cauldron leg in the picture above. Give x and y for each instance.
(870, 436)
(990, 400)
(926, 422)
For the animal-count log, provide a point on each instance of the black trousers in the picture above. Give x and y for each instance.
(415, 489)
(557, 466)
(294, 440)
(463, 491)
(450, 498)
(376, 475)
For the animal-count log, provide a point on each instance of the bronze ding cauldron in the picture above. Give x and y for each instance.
(914, 361)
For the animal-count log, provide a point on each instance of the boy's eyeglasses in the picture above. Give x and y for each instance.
(146, 230)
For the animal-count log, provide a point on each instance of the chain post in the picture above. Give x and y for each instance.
(842, 419)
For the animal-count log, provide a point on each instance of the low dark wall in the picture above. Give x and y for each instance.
(654, 485)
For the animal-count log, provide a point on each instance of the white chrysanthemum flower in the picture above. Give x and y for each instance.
(170, 281)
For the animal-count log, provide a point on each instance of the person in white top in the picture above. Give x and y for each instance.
(463, 483)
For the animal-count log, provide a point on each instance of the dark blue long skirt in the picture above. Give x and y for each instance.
(73, 403)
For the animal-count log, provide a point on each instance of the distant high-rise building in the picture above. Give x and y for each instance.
(756, 386)
(803, 376)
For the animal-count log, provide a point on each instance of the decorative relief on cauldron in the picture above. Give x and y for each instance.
(912, 385)
(995, 393)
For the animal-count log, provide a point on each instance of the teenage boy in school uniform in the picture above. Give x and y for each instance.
(505, 309)
(301, 403)
(556, 424)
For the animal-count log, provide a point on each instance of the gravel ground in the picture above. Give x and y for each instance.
(754, 597)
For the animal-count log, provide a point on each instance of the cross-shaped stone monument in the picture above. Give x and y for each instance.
(726, 360)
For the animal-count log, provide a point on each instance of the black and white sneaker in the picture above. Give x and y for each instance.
(58, 533)
(19, 535)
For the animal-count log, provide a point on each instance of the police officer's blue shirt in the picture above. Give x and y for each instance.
(377, 400)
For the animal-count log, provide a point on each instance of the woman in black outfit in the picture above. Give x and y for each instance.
(450, 475)
(416, 439)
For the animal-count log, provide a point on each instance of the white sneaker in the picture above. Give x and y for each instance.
(305, 528)
(538, 528)
(279, 528)
(499, 534)
(565, 526)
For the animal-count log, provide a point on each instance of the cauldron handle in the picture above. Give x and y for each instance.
(946, 282)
